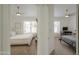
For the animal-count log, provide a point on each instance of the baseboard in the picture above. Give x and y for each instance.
(53, 52)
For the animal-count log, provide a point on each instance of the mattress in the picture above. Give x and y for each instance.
(21, 39)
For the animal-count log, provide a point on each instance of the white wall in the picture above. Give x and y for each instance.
(51, 42)
(14, 21)
(4, 29)
(74, 26)
(63, 21)
(77, 23)
(67, 22)
(0, 29)
(42, 30)
(72, 23)
(45, 29)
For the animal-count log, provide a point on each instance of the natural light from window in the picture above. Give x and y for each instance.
(56, 26)
(30, 26)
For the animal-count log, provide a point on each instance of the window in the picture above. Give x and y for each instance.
(57, 26)
(30, 26)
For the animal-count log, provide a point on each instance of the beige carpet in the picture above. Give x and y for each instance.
(24, 49)
(63, 48)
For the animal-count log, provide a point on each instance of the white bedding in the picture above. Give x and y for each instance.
(21, 39)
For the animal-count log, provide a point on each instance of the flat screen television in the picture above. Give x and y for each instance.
(65, 28)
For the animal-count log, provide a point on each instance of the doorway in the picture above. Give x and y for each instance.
(23, 31)
(66, 40)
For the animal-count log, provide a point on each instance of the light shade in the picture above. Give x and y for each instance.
(18, 14)
(67, 16)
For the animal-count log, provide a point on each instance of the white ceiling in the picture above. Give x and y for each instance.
(28, 10)
(60, 9)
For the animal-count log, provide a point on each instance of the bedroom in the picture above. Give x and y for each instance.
(23, 30)
(65, 29)
(13, 27)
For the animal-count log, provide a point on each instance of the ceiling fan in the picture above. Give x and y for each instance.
(67, 14)
(18, 13)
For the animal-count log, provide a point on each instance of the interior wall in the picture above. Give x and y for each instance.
(64, 22)
(67, 22)
(72, 23)
(45, 30)
(4, 29)
(16, 23)
(51, 40)
(0, 29)
(42, 30)
(77, 30)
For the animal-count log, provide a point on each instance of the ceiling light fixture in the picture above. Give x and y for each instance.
(66, 14)
(18, 13)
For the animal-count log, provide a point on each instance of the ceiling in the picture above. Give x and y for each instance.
(28, 10)
(60, 9)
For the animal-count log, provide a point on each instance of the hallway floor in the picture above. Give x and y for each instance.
(63, 48)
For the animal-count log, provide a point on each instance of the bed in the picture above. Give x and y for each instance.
(21, 39)
(69, 39)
